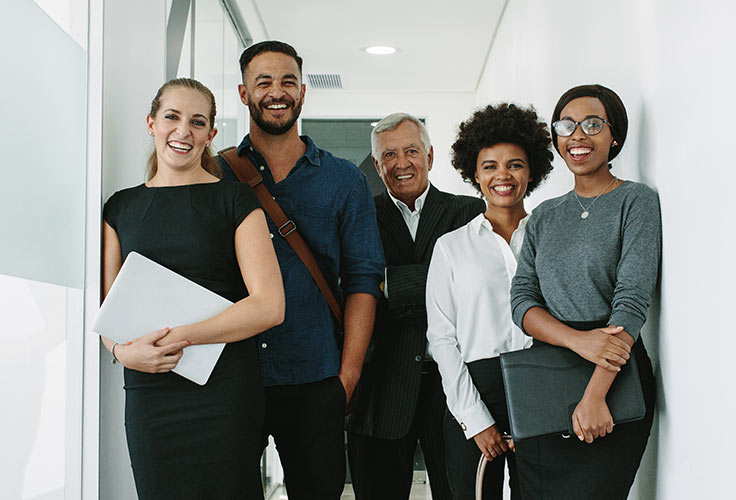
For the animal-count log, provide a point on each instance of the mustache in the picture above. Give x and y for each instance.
(287, 101)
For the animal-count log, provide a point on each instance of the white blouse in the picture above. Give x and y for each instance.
(468, 312)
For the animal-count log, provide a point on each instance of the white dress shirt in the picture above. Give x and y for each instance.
(411, 217)
(469, 313)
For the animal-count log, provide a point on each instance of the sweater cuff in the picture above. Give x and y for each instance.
(476, 419)
(631, 323)
(520, 310)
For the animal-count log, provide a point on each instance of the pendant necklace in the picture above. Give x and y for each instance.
(586, 211)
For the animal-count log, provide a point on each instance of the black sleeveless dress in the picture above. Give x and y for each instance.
(188, 441)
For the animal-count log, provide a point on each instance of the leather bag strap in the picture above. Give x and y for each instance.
(245, 171)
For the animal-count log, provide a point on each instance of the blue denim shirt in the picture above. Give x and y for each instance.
(329, 200)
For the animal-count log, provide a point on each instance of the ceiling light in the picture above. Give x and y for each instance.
(380, 50)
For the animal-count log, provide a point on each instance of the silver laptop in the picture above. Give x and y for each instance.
(146, 297)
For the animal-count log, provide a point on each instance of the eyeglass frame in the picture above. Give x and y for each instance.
(580, 124)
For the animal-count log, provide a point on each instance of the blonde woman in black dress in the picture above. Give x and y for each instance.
(188, 441)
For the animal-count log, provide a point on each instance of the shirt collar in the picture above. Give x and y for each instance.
(311, 154)
(418, 203)
(480, 221)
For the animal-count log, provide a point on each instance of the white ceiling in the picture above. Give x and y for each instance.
(442, 45)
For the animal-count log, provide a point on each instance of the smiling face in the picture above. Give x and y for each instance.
(181, 128)
(502, 171)
(585, 154)
(273, 92)
(403, 162)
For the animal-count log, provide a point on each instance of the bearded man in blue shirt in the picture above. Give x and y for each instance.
(308, 380)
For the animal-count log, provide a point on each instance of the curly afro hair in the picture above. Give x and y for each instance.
(503, 123)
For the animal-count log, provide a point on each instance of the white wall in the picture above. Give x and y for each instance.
(133, 71)
(671, 63)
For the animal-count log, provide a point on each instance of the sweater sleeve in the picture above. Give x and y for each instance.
(525, 290)
(638, 268)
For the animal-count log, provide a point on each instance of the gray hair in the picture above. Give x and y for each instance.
(390, 123)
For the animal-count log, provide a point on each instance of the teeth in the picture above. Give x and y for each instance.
(276, 106)
(405, 176)
(503, 189)
(180, 146)
(580, 151)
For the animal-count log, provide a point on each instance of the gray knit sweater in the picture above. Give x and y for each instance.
(603, 268)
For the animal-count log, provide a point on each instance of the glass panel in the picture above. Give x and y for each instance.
(232, 111)
(349, 139)
(208, 54)
(216, 65)
(42, 216)
(44, 102)
(185, 59)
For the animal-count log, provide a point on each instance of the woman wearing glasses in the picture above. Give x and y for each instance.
(585, 279)
(504, 152)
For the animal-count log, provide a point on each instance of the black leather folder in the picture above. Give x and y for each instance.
(545, 383)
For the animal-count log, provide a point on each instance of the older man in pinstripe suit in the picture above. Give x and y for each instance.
(399, 400)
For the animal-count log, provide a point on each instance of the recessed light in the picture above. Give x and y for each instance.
(380, 50)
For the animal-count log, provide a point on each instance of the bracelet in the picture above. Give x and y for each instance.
(112, 350)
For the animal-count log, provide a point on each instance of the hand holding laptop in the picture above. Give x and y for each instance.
(144, 297)
(151, 353)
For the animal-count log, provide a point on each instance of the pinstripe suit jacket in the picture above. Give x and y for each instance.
(389, 386)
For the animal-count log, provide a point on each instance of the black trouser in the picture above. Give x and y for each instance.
(555, 468)
(463, 454)
(382, 469)
(307, 423)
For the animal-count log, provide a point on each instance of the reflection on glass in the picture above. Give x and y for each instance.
(42, 211)
(35, 362)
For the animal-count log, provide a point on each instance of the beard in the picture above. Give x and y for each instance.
(272, 128)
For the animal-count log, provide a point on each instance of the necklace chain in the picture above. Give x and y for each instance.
(586, 211)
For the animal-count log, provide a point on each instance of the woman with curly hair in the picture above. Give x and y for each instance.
(504, 152)
(585, 280)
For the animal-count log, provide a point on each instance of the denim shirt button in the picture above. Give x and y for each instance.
(417, 358)
(264, 345)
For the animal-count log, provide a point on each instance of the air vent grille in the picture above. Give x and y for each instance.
(324, 81)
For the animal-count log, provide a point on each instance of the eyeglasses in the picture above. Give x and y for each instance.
(592, 125)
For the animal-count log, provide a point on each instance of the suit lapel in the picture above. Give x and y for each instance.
(393, 225)
(431, 215)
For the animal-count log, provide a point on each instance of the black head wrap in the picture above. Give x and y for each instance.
(615, 110)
